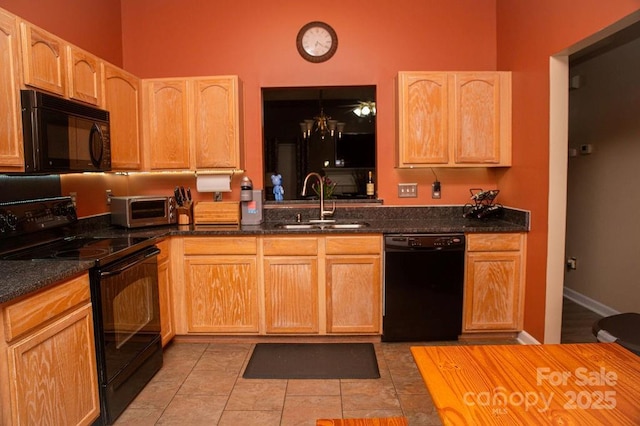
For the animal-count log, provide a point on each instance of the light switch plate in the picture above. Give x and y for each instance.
(407, 190)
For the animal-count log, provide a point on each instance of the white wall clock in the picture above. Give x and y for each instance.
(317, 41)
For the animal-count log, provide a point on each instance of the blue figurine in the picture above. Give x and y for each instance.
(278, 190)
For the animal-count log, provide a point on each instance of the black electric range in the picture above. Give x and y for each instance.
(123, 285)
(36, 229)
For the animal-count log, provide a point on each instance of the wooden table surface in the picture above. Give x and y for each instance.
(567, 384)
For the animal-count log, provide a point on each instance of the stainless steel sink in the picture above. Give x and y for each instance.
(322, 221)
(355, 225)
(322, 225)
(297, 226)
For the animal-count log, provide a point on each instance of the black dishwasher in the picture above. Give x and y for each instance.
(423, 285)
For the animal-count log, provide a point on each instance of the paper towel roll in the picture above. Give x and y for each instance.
(213, 183)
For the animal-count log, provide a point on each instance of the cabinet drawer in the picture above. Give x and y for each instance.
(366, 244)
(220, 245)
(292, 246)
(494, 242)
(35, 310)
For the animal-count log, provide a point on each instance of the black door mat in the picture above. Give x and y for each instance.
(313, 361)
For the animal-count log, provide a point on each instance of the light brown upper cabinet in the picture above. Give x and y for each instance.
(85, 76)
(454, 119)
(166, 124)
(11, 150)
(44, 59)
(217, 126)
(122, 99)
(192, 123)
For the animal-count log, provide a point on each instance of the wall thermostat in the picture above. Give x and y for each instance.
(586, 149)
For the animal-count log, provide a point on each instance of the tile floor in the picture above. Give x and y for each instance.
(202, 384)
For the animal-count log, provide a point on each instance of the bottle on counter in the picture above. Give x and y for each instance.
(371, 188)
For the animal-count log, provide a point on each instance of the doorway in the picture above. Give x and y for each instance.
(558, 157)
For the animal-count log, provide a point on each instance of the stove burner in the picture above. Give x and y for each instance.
(82, 253)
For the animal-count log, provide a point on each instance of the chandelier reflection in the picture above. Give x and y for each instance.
(322, 124)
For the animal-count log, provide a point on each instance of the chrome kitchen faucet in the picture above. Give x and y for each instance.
(323, 213)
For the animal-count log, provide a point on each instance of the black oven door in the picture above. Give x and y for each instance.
(127, 328)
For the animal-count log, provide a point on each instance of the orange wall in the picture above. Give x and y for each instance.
(256, 40)
(93, 25)
(528, 34)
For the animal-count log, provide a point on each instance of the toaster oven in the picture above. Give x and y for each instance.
(143, 210)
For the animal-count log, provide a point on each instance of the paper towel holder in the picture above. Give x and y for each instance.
(215, 181)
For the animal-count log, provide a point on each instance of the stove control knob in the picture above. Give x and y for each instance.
(11, 220)
(3, 222)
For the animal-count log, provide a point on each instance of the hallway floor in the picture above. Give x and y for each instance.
(577, 322)
(202, 384)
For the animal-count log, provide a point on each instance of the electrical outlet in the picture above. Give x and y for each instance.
(407, 190)
(109, 195)
(436, 190)
(74, 198)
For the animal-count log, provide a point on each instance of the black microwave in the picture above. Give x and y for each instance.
(63, 136)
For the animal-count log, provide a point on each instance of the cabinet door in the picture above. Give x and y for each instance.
(493, 291)
(122, 100)
(54, 373)
(479, 118)
(11, 151)
(291, 294)
(43, 58)
(423, 114)
(222, 294)
(85, 76)
(166, 124)
(353, 294)
(217, 130)
(167, 330)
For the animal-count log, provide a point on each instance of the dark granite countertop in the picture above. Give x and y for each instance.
(18, 278)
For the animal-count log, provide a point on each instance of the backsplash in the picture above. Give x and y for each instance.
(391, 213)
(19, 188)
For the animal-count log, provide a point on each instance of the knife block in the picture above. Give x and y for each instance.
(185, 213)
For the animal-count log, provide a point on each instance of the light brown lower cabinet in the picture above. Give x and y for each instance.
(167, 330)
(48, 371)
(323, 285)
(277, 285)
(494, 283)
(353, 283)
(291, 286)
(291, 294)
(220, 285)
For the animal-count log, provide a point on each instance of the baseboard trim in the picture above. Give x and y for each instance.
(526, 339)
(589, 303)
